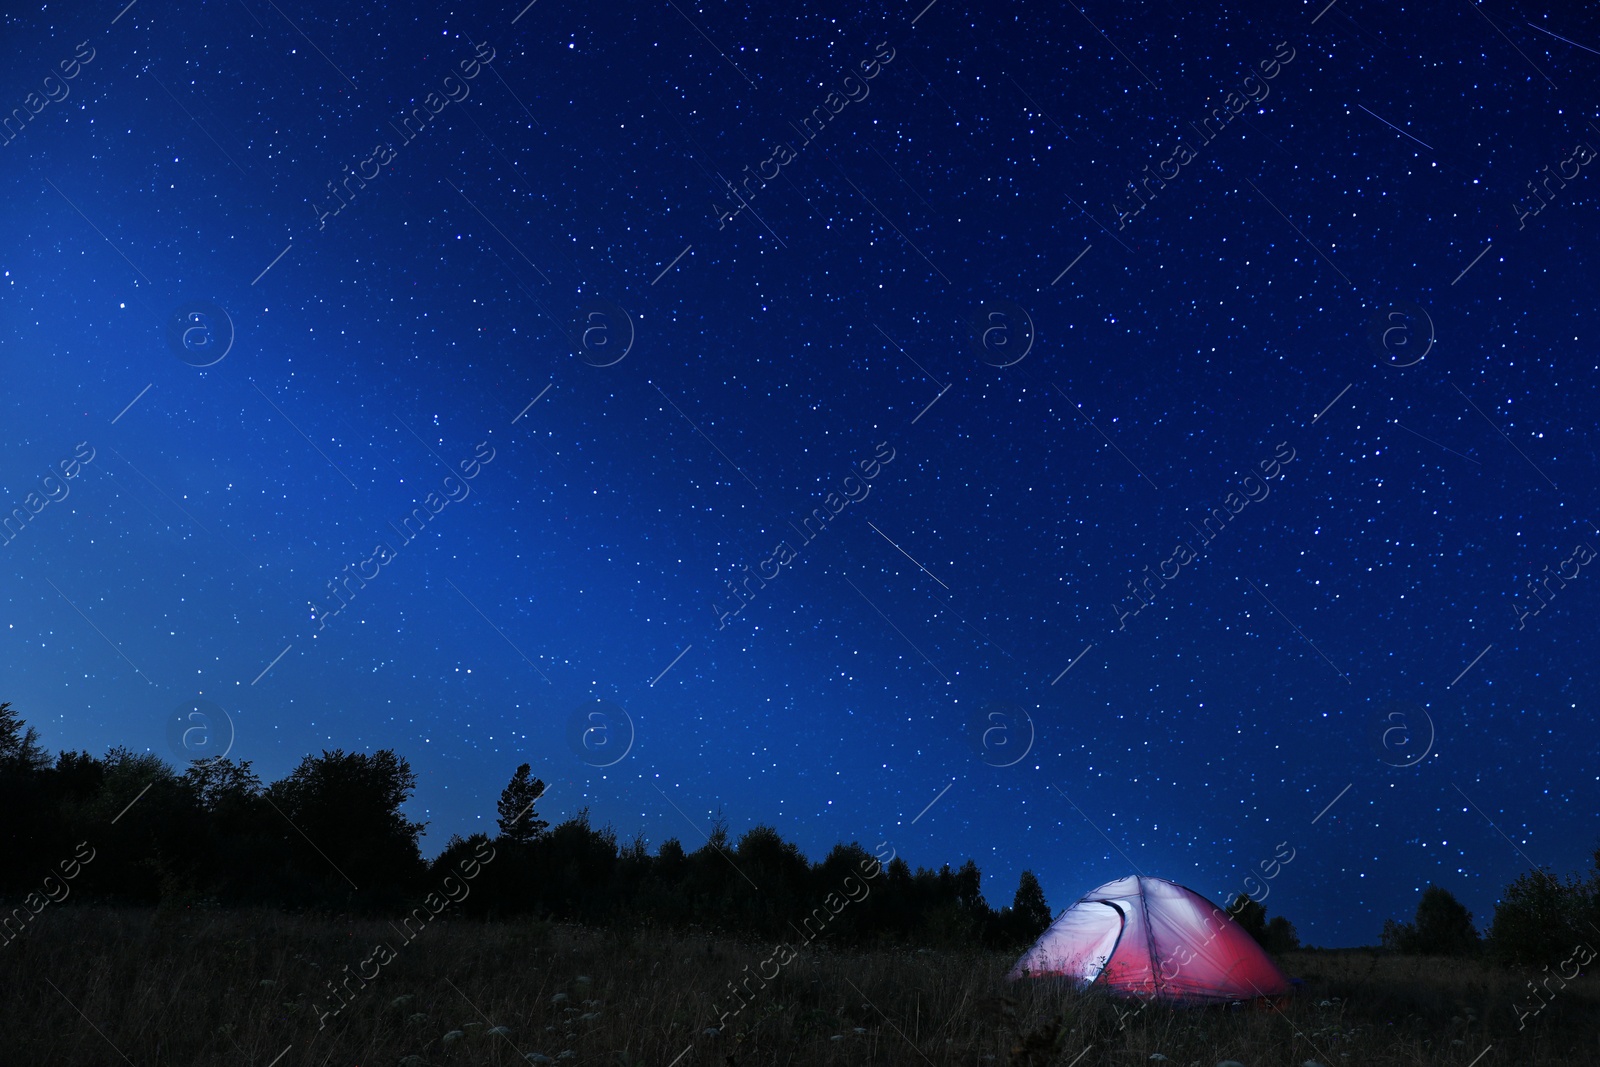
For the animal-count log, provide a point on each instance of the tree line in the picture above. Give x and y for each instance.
(1541, 918)
(126, 828)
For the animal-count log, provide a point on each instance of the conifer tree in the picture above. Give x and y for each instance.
(518, 822)
(1029, 911)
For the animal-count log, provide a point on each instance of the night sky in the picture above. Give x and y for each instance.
(1093, 441)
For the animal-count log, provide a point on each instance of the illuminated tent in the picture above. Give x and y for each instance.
(1153, 939)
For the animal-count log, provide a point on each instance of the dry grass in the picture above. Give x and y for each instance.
(91, 986)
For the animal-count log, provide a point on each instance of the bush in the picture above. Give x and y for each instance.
(1540, 919)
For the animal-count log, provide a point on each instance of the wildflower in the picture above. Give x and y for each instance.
(452, 1037)
(538, 1057)
(497, 1031)
(402, 1000)
(559, 998)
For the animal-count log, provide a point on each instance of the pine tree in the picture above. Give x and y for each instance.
(518, 822)
(1030, 914)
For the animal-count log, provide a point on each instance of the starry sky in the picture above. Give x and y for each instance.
(1089, 439)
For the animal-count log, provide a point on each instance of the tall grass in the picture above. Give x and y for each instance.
(91, 985)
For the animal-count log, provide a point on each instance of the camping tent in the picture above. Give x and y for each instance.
(1151, 938)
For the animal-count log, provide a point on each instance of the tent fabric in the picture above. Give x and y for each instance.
(1153, 939)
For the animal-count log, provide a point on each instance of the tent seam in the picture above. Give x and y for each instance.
(1150, 942)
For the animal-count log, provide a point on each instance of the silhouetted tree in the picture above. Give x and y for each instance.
(840, 885)
(346, 806)
(969, 891)
(148, 830)
(1029, 915)
(470, 864)
(251, 860)
(778, 881)
(661, 892)
(29, 817)
(519, 823)
(899, 916)
(78, 775)
(670, 860)
(218, 780)
(707, 886)
(1251, 915)
(1280, 936)
(1275, 936)
(578, 862)
(20, 751)
(1442, 927)
(1541, 917)
(332, 833)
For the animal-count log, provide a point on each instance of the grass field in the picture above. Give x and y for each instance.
(107, 986)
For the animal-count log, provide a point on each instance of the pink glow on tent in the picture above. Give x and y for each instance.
(1151, 938)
